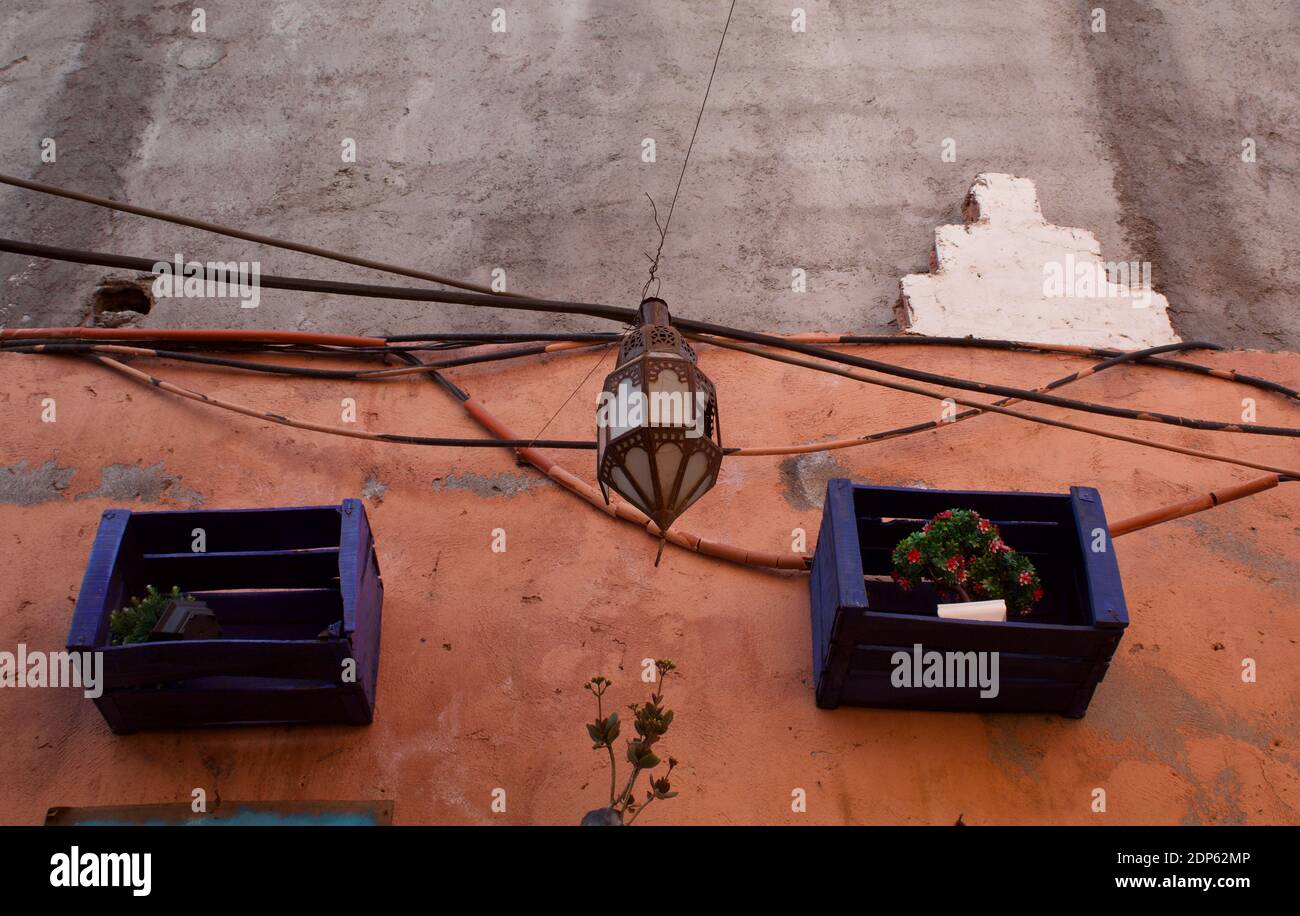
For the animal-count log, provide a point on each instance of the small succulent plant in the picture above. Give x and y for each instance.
(136, 621)
(962, 553)
(651, 721)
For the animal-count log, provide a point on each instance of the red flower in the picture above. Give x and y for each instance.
(1038, 594)
(949, 553)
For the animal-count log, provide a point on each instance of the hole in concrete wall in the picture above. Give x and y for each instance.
(119, 301)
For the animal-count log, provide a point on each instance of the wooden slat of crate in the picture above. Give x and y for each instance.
(315, 567)
(908, 502)
(308, 605)
(182, 660)
(250, 704)
(1014, 665)
(239, 529)
(874, 688)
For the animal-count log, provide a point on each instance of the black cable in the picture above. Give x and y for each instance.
(1131, 356)
(983, 343)
(63, 346)
(447, 384)
(522, 337)
(617, 313)
(626, 315)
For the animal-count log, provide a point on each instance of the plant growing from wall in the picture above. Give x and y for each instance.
(961, 553)
(136, 621)
(651, 721)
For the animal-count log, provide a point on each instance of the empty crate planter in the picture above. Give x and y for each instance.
(1048, 661)
(297, 597)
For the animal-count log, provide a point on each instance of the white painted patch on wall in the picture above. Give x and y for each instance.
(1008, 273)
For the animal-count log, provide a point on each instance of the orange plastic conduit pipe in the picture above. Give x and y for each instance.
(1196, 504)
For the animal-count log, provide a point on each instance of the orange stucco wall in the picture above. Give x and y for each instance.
(484, 653)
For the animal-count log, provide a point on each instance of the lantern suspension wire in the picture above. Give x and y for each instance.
(600, 358)
(668, 220)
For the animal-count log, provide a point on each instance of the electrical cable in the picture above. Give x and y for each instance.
(626, 315)
(425, 275)
(404, 271)
(527, 449)
(274, 369)
(210, 335)
(1231, 375)
(995, 408)
(900, 431)
(454, 340)
(241, 234)
(154, 381)
(621, 314)
(426, 368)
(1213, 499)
(977, 407)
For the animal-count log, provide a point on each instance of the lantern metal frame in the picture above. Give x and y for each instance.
(645, 353)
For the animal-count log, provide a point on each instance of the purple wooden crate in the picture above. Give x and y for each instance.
(1050, 661)
(275, 578)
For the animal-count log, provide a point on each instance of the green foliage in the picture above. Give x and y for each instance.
(651, 721)
(964, 554)
(134, 622)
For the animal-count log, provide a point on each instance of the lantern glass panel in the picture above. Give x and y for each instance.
(669, 396)
(637, 462)
(697, 469)
(668, 458)
(703, 488)
(626, 490)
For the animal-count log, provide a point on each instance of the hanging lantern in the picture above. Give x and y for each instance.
(659, 445)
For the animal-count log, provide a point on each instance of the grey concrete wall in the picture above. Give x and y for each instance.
(522, 150)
